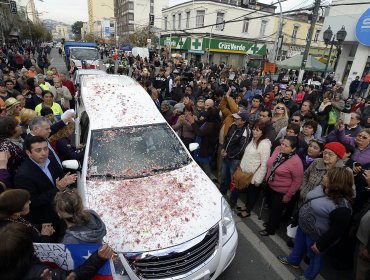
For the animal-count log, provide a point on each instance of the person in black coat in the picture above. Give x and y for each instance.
(20, 263)
(207, 137)
(42, 178)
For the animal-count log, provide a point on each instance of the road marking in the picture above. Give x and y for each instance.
(264, 251)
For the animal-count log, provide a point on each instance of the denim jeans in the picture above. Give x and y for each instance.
(302, 244)
(228, 168)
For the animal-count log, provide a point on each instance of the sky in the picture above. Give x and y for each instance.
(70, 11)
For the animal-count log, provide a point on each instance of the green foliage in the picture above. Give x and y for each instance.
(76, 28)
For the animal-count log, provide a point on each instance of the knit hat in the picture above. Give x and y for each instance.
(337, 148)
(10, 102)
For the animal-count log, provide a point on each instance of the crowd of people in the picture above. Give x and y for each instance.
(38, 201)
(306, 148)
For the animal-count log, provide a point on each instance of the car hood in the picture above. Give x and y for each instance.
(155, 212)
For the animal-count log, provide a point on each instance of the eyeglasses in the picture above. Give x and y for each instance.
(362, 137)
(329, 154)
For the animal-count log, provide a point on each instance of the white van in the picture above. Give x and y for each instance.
(163, 214)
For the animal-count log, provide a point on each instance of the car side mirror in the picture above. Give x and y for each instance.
(71, 164)
(193, 147)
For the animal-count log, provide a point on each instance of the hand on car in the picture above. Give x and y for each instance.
(106, 252)
(65, 181)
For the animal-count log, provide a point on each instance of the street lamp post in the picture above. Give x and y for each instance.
(330, 39)
(209, 44)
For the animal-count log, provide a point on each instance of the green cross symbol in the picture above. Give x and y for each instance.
(196, 44)
(181, 43)
(254, 49)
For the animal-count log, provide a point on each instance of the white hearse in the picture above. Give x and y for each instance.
(163, 214)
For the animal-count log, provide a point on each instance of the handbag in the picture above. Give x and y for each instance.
(243, 179)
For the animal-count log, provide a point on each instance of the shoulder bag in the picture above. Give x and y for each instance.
(243, 179)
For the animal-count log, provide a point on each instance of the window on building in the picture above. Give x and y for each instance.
(199, 20)
(130, 16)
(263, 27)
(187, 25)
(173, 22)
(220, 21)
(294, 34)
(245, 25)
(131, 27)
(111, 24)
(179, 23)
(316, 38)
(165, 23)
(152, 9)
(130, 5)
(234, 2)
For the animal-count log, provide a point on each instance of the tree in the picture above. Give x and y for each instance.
(139, 37)
(76, 29)
(89, 37)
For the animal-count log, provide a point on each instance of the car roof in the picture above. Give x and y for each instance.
(117, 101)
(81, 72)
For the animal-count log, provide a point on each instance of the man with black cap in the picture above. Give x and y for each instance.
(232, 149)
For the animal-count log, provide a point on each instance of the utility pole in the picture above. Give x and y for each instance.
(279, 37)
(315, 15)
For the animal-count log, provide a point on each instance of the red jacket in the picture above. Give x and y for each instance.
(299, 97)
(288, 176)
(68, 84)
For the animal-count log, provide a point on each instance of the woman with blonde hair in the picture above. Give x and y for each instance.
(61, 143)
(83, 226)
(279, 117)
(26, 116)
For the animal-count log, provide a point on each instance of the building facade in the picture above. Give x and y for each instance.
(295, 33)
(354, 59)
(233, 43)
(249, 37)
(132, 15)
(105, 30)
(98, 10)
(61, 31)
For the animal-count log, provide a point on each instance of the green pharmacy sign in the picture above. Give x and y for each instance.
(234, 46)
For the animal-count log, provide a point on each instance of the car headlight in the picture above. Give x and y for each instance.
(228, 224)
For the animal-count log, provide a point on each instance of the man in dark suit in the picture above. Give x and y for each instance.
(42, 178)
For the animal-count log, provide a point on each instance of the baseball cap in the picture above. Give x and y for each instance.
(241, 115)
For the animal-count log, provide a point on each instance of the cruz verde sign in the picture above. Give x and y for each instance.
(363, 28)
(199, 45)
(234, 46)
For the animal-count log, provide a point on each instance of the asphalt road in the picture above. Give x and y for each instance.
(256, 255)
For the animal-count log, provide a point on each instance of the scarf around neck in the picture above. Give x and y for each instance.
(280, 159)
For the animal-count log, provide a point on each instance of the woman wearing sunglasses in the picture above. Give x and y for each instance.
(279, 117)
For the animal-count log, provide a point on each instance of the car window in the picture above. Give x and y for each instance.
(138, 151)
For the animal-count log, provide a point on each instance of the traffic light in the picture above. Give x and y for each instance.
(151, 20)
(13, 7)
